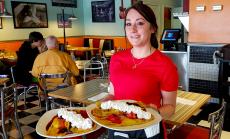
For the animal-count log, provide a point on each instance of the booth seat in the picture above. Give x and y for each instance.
(102, 44)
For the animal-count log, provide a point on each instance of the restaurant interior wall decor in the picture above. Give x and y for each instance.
(103, 11)
(0, 23)
(167, 17)
(65, 3)
(29, 15)
(60, 21)
(1, 6)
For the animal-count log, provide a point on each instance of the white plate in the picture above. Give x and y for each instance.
(156, 120)
(47, 117)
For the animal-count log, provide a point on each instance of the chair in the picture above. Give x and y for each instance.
(101, 44)
(108, 45)
(91, 46)
(4, 79)
(51, 82)
(96, 68)
(26, 89)
(9, 108)
(188, 131)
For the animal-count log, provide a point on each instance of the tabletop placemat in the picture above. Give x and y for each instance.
(185, 101)
(98, 97)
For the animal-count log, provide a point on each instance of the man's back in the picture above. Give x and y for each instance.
(54, 61)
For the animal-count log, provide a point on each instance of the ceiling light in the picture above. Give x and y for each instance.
(5, 13)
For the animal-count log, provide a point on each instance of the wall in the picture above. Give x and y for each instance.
(80, 28)
(105, 29)
(158, 8)
(9, 33)
(209, 26)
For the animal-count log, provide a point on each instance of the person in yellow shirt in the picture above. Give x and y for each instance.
(54, 61)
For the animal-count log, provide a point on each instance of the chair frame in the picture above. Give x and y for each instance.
(43, 77)
(88, 66)
(8, 99)
(217, 119)
(26, 89)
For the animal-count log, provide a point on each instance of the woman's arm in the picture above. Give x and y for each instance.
(168, 104)
(111, 93)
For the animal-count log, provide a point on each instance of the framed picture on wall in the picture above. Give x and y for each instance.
(1, 6)
(0, 23)
(60, 21)
(65, 3)
(29, 15)
(103, 11)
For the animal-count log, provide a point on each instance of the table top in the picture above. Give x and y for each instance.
(183, 111)
(81, 92)
(72, 48)
(80, 63)
(8, 55)
(109, 53)
(3, 80)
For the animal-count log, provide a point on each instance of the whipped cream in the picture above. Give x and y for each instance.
(124, 107)
(75, 119)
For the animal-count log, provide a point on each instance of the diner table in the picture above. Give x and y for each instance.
(80, 93)
(80, 63)
(109, 53)
(72, 48)
(3, 81)
(188, 103)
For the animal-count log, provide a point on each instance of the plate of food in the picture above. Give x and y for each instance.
(123, 115)
(65, 123)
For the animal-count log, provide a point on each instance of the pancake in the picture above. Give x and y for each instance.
(58, 126)
(114, 117)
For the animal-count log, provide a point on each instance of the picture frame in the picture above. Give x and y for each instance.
(68, 23)
(65, 3)
(103, 11)
(0, 23)
(29, 15)
(1, 6)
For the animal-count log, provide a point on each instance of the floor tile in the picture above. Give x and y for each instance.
(33, 125)
(225, 135)
(32, 98)
(22, 114)
(29, 119)
(36, 102)
(25, 130)
(204, 123)
(35, 109)
(33, 135)
(197, 112)
(28, 105)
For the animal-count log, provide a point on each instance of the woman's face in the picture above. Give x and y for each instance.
(37, 43)
(138, 29)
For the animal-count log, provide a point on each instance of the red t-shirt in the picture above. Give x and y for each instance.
(145, 82)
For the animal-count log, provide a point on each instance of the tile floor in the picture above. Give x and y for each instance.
(28, 118)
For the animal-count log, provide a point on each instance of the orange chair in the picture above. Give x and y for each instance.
(188, 131)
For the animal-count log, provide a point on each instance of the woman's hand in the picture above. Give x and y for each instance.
(153, 106)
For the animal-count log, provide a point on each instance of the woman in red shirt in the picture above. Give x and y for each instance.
(143, 73)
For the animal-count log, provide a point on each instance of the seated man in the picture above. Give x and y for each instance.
(26, 56)
(54, 61)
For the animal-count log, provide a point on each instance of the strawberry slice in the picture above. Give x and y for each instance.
(84, 114)
(131, 115)
(114, 118)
